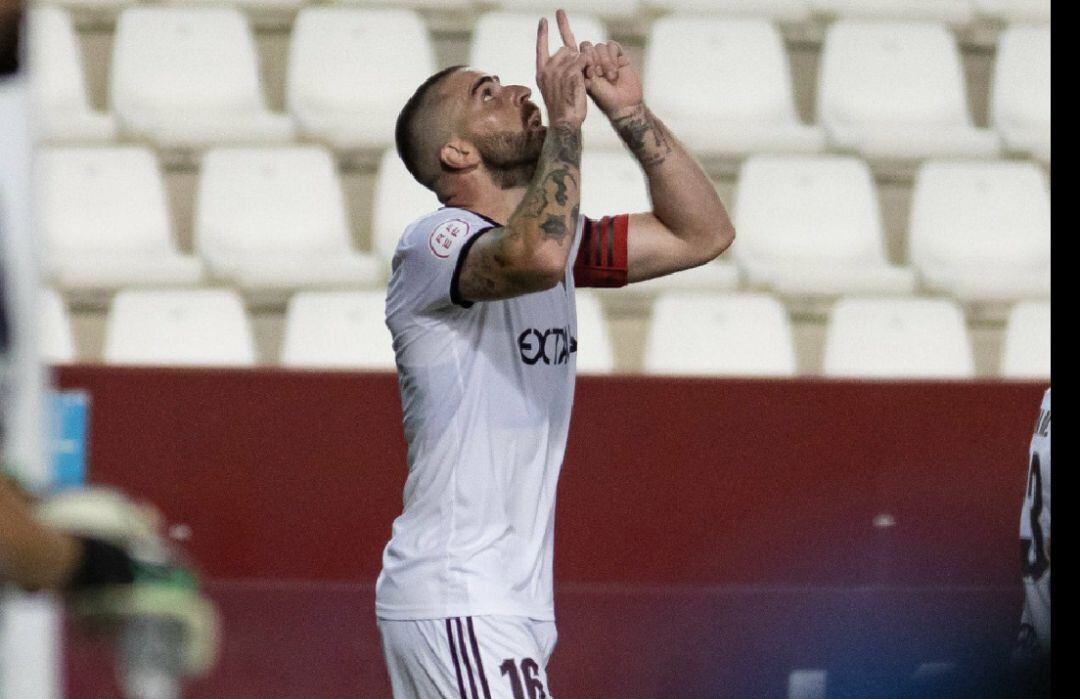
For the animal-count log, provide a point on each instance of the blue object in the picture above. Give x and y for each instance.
(69, 411)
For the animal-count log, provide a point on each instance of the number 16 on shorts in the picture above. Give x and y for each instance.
(458, 657)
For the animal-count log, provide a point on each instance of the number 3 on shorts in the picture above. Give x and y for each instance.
(532, 682)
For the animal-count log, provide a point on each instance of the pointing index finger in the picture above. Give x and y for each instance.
(564, 29)
(542, 54)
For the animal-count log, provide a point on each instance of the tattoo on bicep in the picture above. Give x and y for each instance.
(485, 275)
(646, 136)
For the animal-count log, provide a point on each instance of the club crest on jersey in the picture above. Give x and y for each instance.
(446, 235)
(551, 346)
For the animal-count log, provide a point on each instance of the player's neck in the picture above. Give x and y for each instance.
(491, 202)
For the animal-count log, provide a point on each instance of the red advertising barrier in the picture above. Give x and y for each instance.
(712, 535)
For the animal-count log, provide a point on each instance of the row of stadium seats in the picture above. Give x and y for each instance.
(953, 11)
(187, 78)
(690, 334)
(275, 219)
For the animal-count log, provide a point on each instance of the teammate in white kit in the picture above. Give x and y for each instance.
(1032, 649)
(481, 309)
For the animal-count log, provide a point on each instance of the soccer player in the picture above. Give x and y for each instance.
(481, 309)
(1032, 652)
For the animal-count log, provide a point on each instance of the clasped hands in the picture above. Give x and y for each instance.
(605, 71)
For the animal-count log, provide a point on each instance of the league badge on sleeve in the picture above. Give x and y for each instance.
(446, 235)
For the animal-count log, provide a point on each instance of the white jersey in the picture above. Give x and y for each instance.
(486, 392)
(1035, 538)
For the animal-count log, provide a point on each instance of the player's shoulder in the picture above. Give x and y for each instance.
(439, 231)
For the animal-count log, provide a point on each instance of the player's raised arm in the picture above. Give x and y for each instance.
(688, 224)
(530, 252)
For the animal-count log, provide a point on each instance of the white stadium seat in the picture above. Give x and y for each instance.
(776, 10)
(57, 343)
(61, 105)
(896, 90)
(103, 7)
(719, 334)
(612, 183)
(601, 8)
(1020, 92)
(1026, 353)
(103, 219)
(594, 349)
(188, 78)
(739, 97)
(399, 200)
(196, 327)
(810, 225)
(981, 231)
(897, 339)
(503, 44)
(950, 11)
(718, 275)
(337, 330)
(274, 218)
(256, 9)
(1012, 11)
(337, 57)
(445, 5)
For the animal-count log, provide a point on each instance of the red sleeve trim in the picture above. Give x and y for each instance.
(602, 256)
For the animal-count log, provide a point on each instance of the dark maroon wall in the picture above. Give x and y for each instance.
(711, 534)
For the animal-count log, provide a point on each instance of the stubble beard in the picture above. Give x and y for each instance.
(511, 157)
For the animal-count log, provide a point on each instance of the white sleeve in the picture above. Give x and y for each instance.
(428, 260)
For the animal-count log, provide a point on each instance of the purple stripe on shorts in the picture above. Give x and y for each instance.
(479, 662)
(453, 654)
(465, 657)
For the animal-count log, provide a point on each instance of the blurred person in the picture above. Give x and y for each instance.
(481, 308)
(119, 576)
(1031, 654)
(105, 553)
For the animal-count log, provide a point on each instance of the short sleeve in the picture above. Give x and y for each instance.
(602, 256)
(428, 260)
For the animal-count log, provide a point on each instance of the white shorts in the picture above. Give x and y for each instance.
(478, 657)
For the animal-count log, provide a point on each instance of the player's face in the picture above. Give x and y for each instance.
(504, 125)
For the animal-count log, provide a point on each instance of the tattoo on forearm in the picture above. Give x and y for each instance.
(560, 177)
(569, 145)
(549, 211)
(645, 135)
(551, 202)
(554, 227)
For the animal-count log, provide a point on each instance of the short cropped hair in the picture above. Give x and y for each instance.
(406, 138)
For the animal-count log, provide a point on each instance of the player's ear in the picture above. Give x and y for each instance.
(459, 155)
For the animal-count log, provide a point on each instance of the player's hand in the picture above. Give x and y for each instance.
(561, 77)
(610, 79)
(137, 575)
